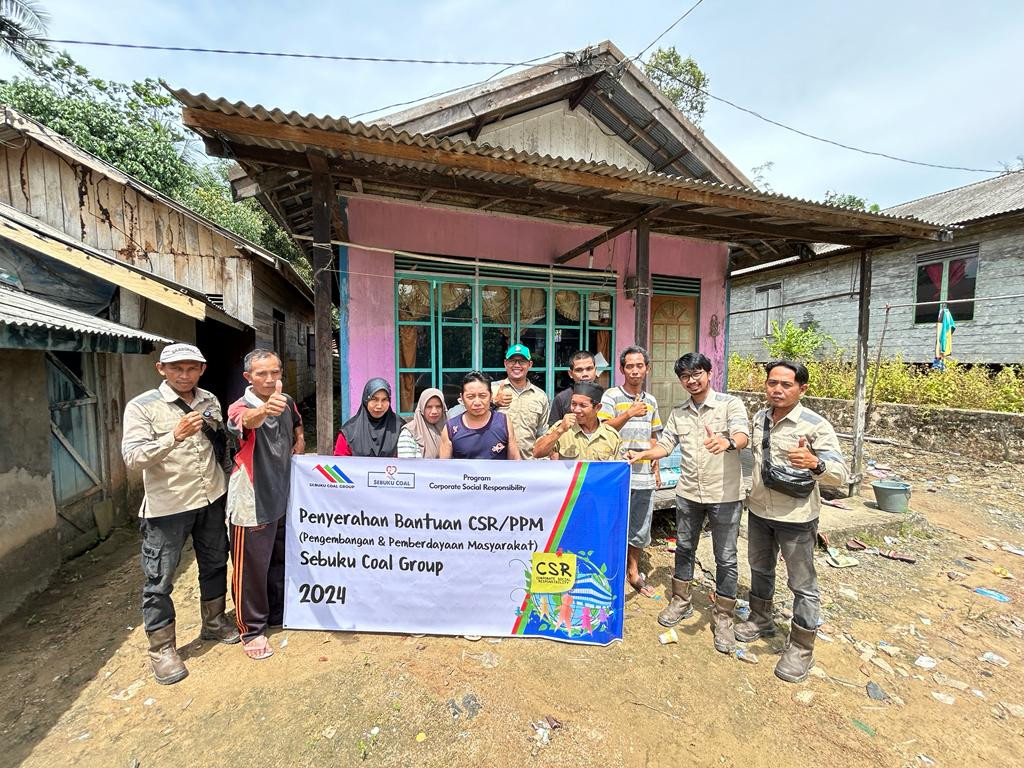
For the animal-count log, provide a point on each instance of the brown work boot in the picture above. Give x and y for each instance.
(215, 624)
(798, 658)
(680, 606)
(722, 624)
(760, 623)
(168, 668)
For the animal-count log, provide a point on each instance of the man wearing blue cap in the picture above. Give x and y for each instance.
(525, 404)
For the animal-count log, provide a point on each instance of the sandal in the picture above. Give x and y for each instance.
(855, 544)
(903, 557)
(258, 648)
(837, 559)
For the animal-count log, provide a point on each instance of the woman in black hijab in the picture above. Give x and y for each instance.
(374, 430)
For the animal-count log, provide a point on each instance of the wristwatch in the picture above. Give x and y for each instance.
(732, 444)
(820, 468)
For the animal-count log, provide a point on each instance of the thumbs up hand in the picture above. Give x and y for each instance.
(503, 398)
(277, 402)
(802, 457)
(714, 443)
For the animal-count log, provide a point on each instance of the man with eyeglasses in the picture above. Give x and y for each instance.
(525, 404)
(710, 429)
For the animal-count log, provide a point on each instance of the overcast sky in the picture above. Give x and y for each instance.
(938, 81)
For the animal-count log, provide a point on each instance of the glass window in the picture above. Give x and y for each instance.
(946, 280)
(768, 298)
(448, 326)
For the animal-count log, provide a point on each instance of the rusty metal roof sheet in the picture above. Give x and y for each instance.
(26, 311)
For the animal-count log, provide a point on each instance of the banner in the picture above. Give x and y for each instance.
(495, 548)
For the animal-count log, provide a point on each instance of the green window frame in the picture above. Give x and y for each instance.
(432, 330)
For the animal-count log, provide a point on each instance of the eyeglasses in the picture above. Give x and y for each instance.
(691, 375)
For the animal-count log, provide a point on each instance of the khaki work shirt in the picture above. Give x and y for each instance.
(177, 477)
(600, 445)
(704, 477)
(528, 414)
(820, 438)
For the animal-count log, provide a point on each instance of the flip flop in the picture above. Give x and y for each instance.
(837, 559)
(266, 653)
(903, 557)
(855, 544)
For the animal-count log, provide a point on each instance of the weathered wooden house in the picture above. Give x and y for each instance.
(77, 232)
(983, 262)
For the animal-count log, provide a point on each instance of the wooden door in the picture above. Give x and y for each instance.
(673, 334)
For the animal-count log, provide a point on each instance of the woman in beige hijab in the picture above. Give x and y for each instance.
(421, 437)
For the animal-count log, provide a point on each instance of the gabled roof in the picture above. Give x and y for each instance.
(21, 311)
(277, 150)
(599, 79)
(15, 124)
(998, 196)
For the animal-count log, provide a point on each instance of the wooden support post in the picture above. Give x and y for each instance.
(642, 302)
(323, 199)
(860, 383)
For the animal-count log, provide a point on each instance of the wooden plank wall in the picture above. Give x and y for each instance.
(125, 224)
(993, 336)
(273, 293)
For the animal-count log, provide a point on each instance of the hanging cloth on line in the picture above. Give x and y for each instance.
(944, 327)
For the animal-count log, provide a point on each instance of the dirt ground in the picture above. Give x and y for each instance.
(75, 688)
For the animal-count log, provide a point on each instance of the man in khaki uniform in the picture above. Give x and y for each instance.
(579, 435)
(780, 521)
(166, 436)
(710, 429)
(525, 404)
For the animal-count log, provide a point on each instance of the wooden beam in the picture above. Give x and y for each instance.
(203, 120)
(861, 376)
(322, 261)
(357, 183)
(642, 302)
(427, 193)
(105, 269)
(581, 93)
(612, 233)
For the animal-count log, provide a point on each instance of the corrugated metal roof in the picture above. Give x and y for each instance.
(26, 311)
(343, 125)
(14, 123)
(997, 196)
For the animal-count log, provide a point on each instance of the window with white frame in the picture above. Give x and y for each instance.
(768, 299)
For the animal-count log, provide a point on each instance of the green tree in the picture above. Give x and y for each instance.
(850, 201)
(683, 82)
(135, 127)
(22, 23)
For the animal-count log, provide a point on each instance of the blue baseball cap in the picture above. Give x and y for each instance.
(518, 349)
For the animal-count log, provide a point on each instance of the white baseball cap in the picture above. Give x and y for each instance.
(174, 353)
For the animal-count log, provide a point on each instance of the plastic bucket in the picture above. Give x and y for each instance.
(892, 495)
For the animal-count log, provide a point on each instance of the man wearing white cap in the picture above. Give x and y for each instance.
(169, 434)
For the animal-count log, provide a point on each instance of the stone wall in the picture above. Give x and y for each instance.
(984, 434)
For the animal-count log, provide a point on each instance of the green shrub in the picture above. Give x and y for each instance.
(958, 386)
(791, 342)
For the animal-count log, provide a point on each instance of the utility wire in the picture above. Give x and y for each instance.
(805, 134)
(667, 30)
(278, 54)
(506, 65)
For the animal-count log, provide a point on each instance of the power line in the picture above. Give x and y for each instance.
(278, 54)
(667, 30)
(822, 139)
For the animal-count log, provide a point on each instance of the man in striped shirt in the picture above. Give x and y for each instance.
(634, 413)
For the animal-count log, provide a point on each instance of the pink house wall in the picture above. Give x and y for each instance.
(499, 237)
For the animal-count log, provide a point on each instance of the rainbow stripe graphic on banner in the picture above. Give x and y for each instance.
(568, 504)
(333, 473)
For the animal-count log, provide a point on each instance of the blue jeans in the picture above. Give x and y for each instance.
(725, 526)
(796, 541)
